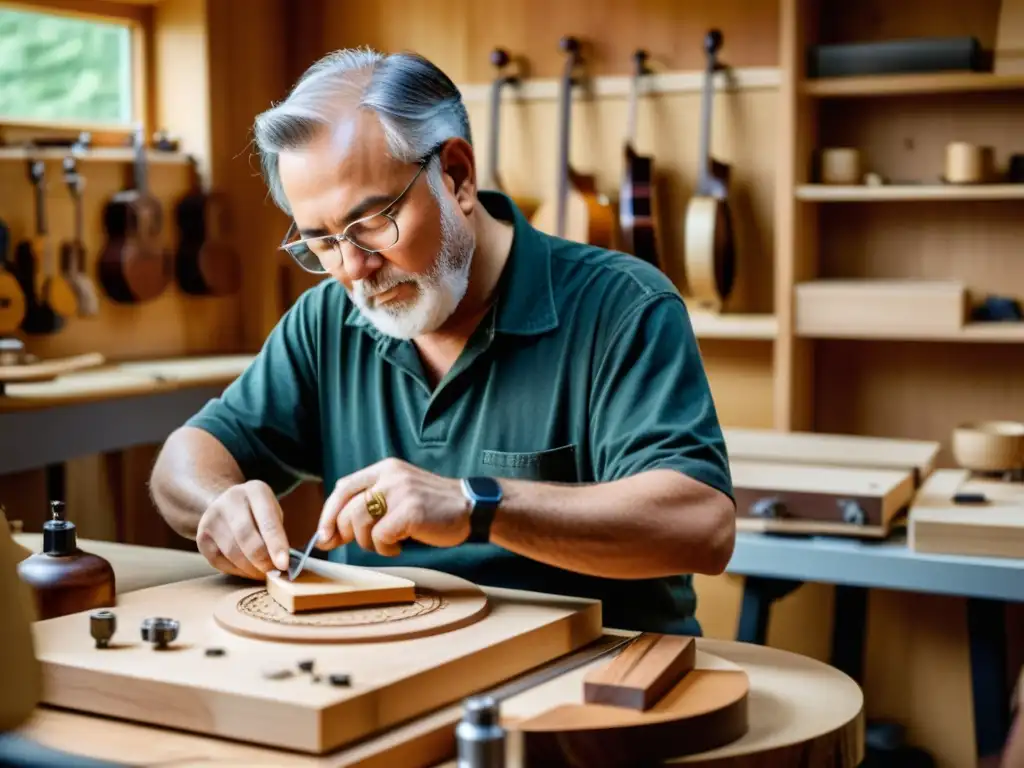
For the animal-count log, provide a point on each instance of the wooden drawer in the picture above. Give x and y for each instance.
(884, 308)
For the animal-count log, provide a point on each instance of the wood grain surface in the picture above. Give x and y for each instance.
(247, 693)
(640, 675)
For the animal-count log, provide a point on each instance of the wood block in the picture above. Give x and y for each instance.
(338, 586)
(645, 671)
(869, 308)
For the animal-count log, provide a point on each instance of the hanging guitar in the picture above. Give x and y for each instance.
(133, 265)
(12, 297)
(205, 264)
(637, 204)
(51, 298)
(492, 178)
(710, 248)
(72, 252)
(577, 211)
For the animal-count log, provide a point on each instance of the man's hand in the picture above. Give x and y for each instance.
(420, 505)
(242, 532)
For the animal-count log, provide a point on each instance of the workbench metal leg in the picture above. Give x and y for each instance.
(758, 595)
(849, 630)
(986, 625)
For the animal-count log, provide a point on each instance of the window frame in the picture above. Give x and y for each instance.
(138, 18)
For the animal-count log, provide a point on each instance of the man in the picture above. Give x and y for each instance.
(478, 397)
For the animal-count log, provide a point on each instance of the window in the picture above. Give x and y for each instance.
(64, 68)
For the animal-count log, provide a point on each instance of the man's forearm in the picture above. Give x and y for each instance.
(654, 524)
(192, 470)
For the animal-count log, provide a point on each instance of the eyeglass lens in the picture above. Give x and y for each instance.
(376, 233)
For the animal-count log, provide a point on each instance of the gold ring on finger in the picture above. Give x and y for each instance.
(376, 504)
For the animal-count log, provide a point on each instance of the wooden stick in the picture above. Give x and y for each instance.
(639, 676)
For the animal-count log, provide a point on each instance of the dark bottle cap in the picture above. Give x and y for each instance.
(59, 538)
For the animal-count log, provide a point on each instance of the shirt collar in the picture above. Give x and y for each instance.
(526, 302)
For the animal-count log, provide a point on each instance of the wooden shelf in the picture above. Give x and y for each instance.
(901, 85)
(100, 154)
(725, 326)
(988, 333)
(836, 193)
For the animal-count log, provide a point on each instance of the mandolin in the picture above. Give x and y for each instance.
(205, 264)
(72, 252)
(53, 292)
(637, 203)
(133, 265)
(710, 249)
(577, 212)
(12, 298)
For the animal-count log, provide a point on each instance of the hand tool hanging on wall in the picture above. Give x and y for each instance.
(72, 252)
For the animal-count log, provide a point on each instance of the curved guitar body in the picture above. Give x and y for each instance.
(710, 253)
(588, 216)
(205, 264)
(12, 298)
(133, 266)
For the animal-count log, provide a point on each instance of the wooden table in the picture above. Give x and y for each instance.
(801, 711)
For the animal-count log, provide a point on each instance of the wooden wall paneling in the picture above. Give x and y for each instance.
(458, 35)
(918, 390)
(742, 382)
(173, 324)
(250, 66)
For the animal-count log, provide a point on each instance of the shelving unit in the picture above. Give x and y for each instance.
(967, 233)
(98, 155)
(836, 193)
(725, 326)
(906, 85)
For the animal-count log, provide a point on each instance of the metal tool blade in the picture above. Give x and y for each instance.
(557, 668)
(296, 569)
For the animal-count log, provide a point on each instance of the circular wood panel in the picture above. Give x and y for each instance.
(705, 710)
(443, 603)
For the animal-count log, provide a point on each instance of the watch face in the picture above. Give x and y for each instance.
(485, 488)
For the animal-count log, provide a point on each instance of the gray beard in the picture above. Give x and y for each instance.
(438, 293)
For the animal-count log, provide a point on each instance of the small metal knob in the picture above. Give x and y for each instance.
(160, 631)
(852, 511)
(102, 626)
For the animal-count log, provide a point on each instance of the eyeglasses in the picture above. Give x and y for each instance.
(372, 234)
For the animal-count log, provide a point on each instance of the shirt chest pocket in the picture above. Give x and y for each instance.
(554, 465)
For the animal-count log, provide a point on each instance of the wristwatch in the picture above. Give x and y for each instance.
(484, 495)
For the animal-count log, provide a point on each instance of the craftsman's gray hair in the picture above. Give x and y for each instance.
(417, 104)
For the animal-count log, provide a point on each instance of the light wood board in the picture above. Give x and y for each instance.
(832, 450)
(814, 497)
(800, 711)
(324, 585)
(228, 696)
(441, 603)
(995, 529)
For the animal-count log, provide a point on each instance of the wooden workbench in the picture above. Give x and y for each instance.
(791, 696)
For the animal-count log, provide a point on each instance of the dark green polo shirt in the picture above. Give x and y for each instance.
(586, 370)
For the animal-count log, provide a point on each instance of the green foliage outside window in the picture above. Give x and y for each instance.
(61, 68)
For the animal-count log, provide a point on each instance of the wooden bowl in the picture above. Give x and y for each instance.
(989, 446)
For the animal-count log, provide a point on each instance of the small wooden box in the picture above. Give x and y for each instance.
(880, 308)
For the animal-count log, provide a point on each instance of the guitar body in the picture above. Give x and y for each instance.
(12, 298)
(133, 266)
(588, 217)
(710, 250)
(205, 264)
(56, 292)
